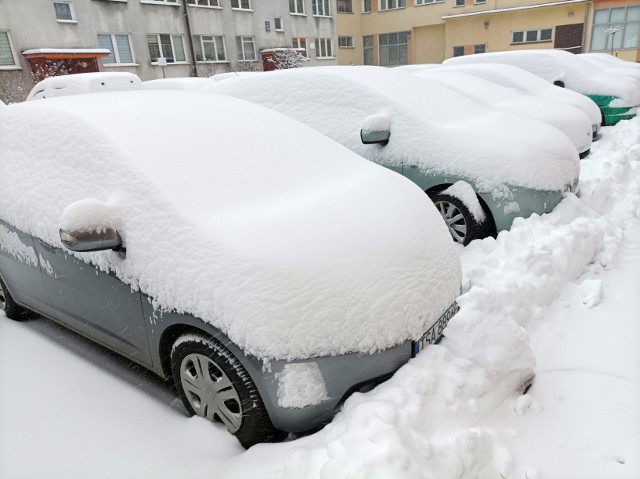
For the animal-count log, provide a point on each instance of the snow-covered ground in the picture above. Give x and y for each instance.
(557, 295)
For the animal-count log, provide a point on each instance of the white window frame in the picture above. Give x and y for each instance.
(199, 39)
(324, 46)
(385, 5)
(242, 50)
(116, 53)
(345, 44)
(277, 28)
(240, 7)
(71, 12)
(297, 43)
(207, 3)
(173, 48)
(295, 5)
(12, 51)
(524, 36)
(171, 3)
(419, 3)
(321, 8)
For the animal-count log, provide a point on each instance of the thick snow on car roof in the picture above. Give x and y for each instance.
(79, 83)
(558, 65)
(186, 83)
(431, 126)
(569, 120)
(286, 241)
(522, 80)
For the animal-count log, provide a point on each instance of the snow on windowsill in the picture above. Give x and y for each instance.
(67, 21)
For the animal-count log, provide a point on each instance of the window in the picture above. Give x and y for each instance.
(427, 2)
(204, 3)
(120, 47)
(479, 48)
(615, 28)
(393, 49)
(324, 48)
(241, 4)
(366, 6)
(246, 49)
(345, 42)
(532, 36)
(296, 7)
(320, 8)
(170, 47)
(345, 6)
(209, 48)
(459, 3)
(367, 50)
(458, 51)
(64, 12)
(7, 59)
(277, 22)
(173, 2)
(300, 43)
(392, 4)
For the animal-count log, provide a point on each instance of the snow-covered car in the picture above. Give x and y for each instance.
(525, 82)
(571, 121)
(80, 83)
(265, 268)
(616, 96)
(186, 84)
(613, 65)
(481, 167)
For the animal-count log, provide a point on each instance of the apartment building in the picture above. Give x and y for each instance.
(159, 38)
(398, 32)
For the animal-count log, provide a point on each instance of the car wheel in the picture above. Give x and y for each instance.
(213, 384)
(462, 225)
(10, 308)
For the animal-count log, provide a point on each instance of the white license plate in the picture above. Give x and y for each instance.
(434, 333)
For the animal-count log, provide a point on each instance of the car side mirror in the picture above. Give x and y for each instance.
(86, 241)
(559, 83)
(369, 137)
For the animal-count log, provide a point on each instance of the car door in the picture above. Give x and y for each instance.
(20, 268)
(94, 303)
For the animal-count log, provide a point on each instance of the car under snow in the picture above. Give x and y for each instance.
(265, 268)
(481, 167)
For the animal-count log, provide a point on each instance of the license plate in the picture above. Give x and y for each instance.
(434, 333)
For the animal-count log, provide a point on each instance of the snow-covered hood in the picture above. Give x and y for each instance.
(556, 65)
(431, 126)
(286, 241)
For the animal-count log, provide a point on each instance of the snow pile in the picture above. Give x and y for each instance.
(79, 83)
(291, 255)
(440, 131)
(300, 385)
(187, 83)
(451, 412)
(553, 65)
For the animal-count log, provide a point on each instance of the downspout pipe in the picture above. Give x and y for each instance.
(194, 69)
(584, 29)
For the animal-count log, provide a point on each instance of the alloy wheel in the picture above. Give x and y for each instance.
(454, 219)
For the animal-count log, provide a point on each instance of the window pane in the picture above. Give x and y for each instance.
(63, 11)
(598, 38)
(532, 35)
(124, 49)
(545, 34)
(6, 57)
(633, 14)
(222, 56)
(518, 37)
(104, 41)
(458, 51)
(601, 16)
(617, 15)
(367, 41)
(384, 39)
(366, 5)
(631, 35)
(178, 48)
(154, 48)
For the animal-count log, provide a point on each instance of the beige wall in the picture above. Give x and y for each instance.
(428, 44)
(349, 25)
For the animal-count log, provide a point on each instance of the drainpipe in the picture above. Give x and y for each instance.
(194, 70)
(584, 29)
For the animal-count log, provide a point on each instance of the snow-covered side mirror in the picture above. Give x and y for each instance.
(370, 136)
(91, 225)
(559, 83)
(85, 241)
(376, 129)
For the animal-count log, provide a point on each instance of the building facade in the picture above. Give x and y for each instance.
(398, 32)
(160, 38)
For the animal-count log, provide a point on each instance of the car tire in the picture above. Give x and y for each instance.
(213, 384)
(11, 308)
(462, 225)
